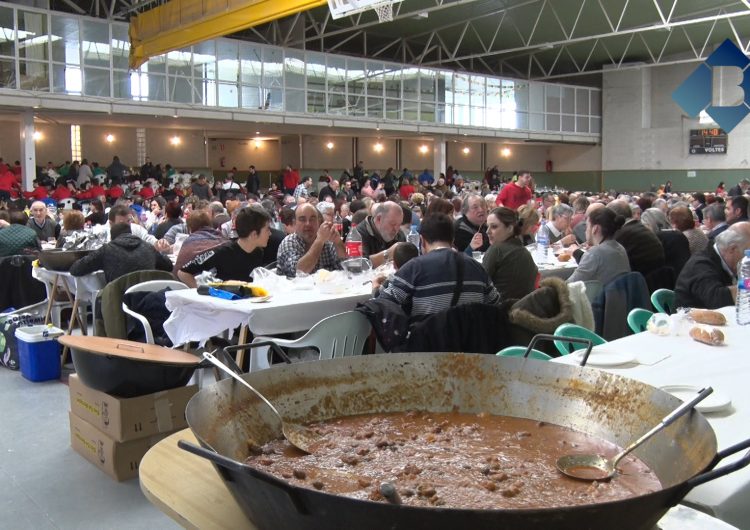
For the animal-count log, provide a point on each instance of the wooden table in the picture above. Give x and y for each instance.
(188, 489)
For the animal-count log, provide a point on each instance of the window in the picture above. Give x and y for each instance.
(75, 142)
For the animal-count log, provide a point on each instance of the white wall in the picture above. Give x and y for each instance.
(643, 128)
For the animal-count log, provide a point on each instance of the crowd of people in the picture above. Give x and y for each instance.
(688, 242)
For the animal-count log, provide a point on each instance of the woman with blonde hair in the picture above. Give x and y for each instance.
(529, 217)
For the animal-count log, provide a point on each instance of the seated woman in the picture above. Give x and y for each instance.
(682, 219)
(72, 222)
(508, 264)
(529, 217)
(605, 259)
(676, 245)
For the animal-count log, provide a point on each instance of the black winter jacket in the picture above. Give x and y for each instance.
(124, 254)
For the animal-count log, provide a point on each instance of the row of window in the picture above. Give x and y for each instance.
(46, 52)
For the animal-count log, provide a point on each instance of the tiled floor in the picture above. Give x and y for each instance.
(44, 484)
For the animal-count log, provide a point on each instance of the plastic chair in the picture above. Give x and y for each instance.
(663, 301)
(519, 351)
(150, 286)
(341, 335)
(638, 319)
(577, 332)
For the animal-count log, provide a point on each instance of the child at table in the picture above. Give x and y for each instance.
(402, 253)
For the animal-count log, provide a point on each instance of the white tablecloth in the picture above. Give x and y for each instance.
(82, 287)
(198, 317)
(725, 368)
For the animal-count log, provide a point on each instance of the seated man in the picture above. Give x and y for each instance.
(44, 226)
(236, 259)
(124, 253)
(15, 236)
(381, 231)
(707, 280)
(736, 210)
(312, 246)
(472, 225)
(428, 284)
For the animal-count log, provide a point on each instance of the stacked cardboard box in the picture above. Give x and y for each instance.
(114, 433)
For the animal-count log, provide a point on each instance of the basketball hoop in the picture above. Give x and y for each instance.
(384, 11)
(343, 8)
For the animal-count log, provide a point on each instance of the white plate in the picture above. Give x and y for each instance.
(715, 402)
(605, 359)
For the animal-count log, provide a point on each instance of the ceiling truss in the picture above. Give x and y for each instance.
(532, 39)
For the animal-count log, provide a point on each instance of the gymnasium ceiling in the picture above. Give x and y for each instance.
(571, 40)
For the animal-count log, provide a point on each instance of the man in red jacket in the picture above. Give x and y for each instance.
(516, 194)
(291, 179)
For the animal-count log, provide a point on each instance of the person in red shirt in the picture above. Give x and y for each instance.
(516, 194)
(38, 193)
(62, 192)
(406, 190)
(8, 185)
(97, 190)
(3, 167)
(147, 192)
(17, 170)
(291, 180)
(114, 193)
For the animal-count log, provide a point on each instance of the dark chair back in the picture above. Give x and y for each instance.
(18, 288)
(623, 294)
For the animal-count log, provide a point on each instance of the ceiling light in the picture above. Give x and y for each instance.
(423, 149)
(378, 147)
(505, 152)
(257, 132)
(329, 145)
(37, 136)
(466, 150)
(175, 140)
(110, 138)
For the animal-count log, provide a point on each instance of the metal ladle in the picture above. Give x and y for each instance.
(597, 467)
(300, 437)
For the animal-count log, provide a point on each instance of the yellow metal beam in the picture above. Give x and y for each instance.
(180, 23)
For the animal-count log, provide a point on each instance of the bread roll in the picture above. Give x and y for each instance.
(564, 257)
(711, 336)
(705, 316)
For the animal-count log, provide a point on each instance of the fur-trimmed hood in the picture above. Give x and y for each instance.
(544, 309)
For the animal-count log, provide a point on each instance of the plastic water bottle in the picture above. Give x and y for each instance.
(354, 243)
(542, 242)
(338, 224)
(743, 290)
(413, 237)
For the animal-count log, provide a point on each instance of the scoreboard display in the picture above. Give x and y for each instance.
(708, 142)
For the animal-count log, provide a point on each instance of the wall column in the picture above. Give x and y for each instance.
(439, 151)
(28, 149)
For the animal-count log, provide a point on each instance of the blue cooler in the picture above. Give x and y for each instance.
(39, 352)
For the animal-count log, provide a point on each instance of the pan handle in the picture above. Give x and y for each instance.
(725, 470)
(574, 340)
(237, 467)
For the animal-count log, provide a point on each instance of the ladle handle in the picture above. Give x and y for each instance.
(223, 367)
(668, 420)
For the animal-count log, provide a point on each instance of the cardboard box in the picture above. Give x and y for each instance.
(119, 460)
(124, 419)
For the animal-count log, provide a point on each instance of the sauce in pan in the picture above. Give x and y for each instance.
(453, 460)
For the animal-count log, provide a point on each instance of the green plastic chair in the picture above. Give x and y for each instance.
(518, 351)
(663, 301)
(578, 332)
(638, 319)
